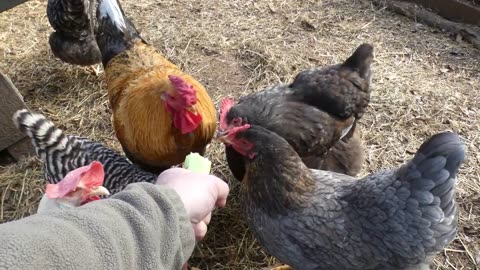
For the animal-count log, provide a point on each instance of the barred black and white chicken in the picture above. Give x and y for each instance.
(63, 153)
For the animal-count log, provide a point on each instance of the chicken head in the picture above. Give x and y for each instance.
(79, 186)
(181, 105)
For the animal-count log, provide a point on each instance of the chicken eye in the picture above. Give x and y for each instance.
(237, 121)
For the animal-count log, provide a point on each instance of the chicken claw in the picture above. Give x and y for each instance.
(95, 69)
(281, 267)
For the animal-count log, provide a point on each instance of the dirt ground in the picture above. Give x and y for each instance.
(424, 82)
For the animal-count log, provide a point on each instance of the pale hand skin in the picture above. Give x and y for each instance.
(200, 194)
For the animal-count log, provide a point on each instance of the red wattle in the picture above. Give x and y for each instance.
(90, 199)
(187, 121)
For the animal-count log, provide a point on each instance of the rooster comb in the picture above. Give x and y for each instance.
(181, 86)
(235, 130)
(227, 104)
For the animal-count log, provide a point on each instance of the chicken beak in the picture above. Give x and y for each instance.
(345, 131)
(193, 109)
(220, 134)
(99, 191)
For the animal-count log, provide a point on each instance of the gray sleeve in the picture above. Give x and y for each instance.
(143, 227)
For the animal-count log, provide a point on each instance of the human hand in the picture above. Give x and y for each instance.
(200, 193)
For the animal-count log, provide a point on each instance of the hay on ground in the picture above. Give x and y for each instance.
(424, 82)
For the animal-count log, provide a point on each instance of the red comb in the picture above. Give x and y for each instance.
(187, 92)
(227, 104)
(180, 85)
(90, 199)
(238, 129)
(94, 176)
(90, 176)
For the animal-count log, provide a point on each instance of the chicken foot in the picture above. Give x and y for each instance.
(281, 267)
(95, 69)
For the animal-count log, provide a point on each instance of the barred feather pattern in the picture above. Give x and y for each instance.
(63, 153)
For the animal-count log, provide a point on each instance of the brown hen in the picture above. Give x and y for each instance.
(312, 114)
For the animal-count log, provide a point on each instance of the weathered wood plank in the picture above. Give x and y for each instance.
(8, 4)
(420, 14)
(11, 101)
(22, 148)
(454, 10)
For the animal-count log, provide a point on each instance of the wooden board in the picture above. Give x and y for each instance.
(10, 137)
(8, 4)
(421, 14)
(454, 10)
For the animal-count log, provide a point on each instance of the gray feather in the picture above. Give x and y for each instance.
(392, 219)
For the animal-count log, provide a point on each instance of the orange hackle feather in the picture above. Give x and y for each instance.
(136, 79)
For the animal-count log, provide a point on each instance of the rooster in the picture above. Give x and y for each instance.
(73, 40)
(160, 113)
(62, 154)
(79, 186)
(313, 219)
(312, 114)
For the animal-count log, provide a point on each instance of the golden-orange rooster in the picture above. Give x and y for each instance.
(160, 113)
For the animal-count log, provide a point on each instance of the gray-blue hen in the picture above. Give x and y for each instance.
(312, 219)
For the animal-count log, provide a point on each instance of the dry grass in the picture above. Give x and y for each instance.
(424, 82)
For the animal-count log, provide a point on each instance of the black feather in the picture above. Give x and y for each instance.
(113, 39)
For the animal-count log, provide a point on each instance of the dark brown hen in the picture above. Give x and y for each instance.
(73, 40)
(312, 219)
(312, 114)
(312, 132)
(342, 90)
(345, 157)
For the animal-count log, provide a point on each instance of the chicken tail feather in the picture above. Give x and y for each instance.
(438, 160)
(432, 179)
(361, 60)
(50, 143)
(61, 153)
(43, 133)
(115, 32)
